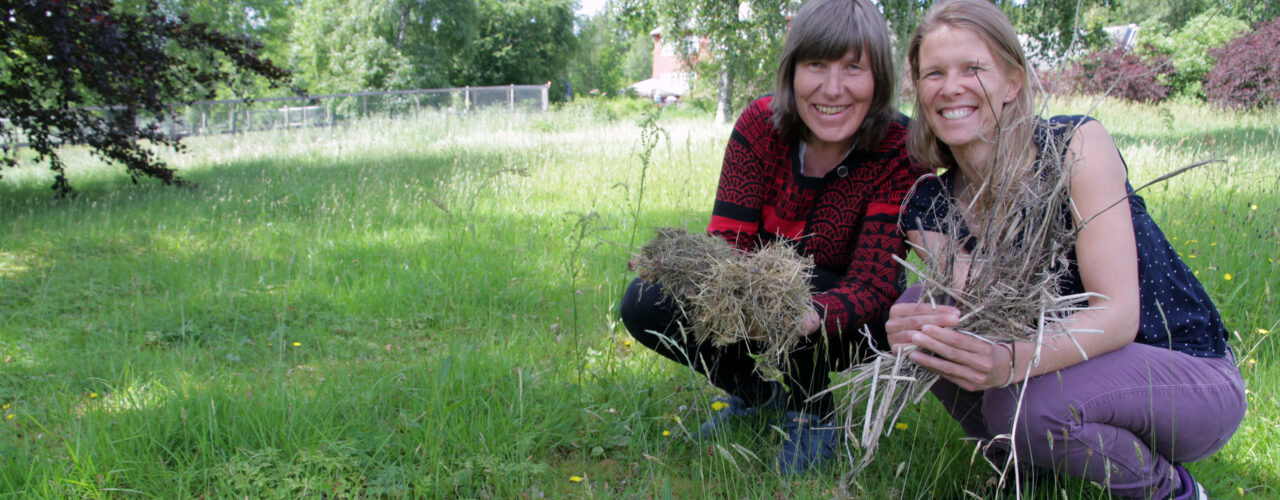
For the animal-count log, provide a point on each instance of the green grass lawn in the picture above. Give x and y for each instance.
(426, 308)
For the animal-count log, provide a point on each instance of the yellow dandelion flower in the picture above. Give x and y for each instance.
(1252, 361)
(5, 407)
(1227, 276)
(93, 395)
(8, 417)
(666, 433)
(1253, 206)
(1262, 331)
(900, 426)
(627, 343)
(297, 344)
(1193, 256)
(576, 479)
(1214, 244)
(719, 405)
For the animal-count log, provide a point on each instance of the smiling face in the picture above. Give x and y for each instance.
(832, 98)
(962, 89)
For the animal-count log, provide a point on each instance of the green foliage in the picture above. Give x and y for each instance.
(1183, 11)
(520, 42)
(638, 64)
(1170, 14)
(1257, 12)
(342, 46)
(903, 16)
(1188, 49)
(267, 22)
(599, 66)
(1055, 26)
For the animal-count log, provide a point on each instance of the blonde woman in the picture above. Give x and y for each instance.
(1158, 386)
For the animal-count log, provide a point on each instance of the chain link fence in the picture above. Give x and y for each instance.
(233, 116)
(268, 113)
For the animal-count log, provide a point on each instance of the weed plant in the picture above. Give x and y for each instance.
(425, 308)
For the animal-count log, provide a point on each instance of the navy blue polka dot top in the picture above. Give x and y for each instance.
(1176, 311)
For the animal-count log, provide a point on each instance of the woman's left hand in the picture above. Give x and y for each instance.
(810, 323)
(969, 362)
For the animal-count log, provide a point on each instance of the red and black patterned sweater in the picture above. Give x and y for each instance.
(847, 221)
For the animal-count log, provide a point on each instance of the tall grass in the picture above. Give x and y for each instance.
(426, 308)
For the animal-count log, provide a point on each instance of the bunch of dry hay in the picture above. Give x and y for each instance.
(1022, 238)
(731, 296)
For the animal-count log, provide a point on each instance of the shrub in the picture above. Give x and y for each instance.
(1247, 74)
(1120, 73)
(1188, 49)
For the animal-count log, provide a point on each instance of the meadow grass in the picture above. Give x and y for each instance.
(427, 308)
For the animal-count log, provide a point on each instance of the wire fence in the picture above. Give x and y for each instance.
(233, 116)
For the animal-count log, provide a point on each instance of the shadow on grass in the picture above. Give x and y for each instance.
(1224, 141)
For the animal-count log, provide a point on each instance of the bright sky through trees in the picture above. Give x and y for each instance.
(590, 8)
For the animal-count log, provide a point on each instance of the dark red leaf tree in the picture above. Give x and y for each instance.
(1247, 72)
(85, 72)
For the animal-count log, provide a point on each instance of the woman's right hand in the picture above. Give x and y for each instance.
(908, 319)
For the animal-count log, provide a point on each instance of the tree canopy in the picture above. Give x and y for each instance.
(520, 42)
(344, 46)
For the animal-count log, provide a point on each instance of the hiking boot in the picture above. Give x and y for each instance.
(733, 409)
(1189, 489)
(810, 443)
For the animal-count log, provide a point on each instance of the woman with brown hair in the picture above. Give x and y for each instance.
(821, 164)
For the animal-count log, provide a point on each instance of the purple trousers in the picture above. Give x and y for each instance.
(1120, 419)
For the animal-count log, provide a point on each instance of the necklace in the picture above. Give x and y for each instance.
(841, 170)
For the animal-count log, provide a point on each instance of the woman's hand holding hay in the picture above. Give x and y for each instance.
(811, 322)
(971, 362)
(908, 318)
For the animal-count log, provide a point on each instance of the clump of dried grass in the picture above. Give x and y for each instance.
(731, 296)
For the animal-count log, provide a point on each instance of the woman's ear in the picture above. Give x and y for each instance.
(1014, 85)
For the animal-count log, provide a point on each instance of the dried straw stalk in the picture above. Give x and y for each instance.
(731, 296)
(1022, 235)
